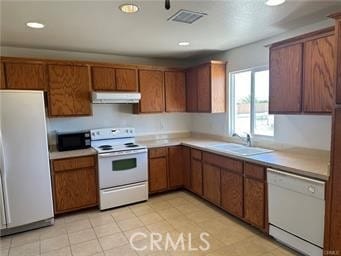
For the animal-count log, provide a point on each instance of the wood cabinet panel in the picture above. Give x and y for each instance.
(69, 90)
(175, 91)
(158, 174)
(192, 90)
(126, 79)
(254, 171)
(223, 162)
(196, 176)
(187, 166)
(254, 202)
(75, 189)
(152, 91)
(2, 76)
(285, 79)
(232, 192)
(73, 163)
(337, 60)
(25, 76)
(176, 166)
(319, 74)
(196, 154)
(204, 88)
(218, 88)
(157, 152)
(335, 209)
(211, 183)
(103, 79)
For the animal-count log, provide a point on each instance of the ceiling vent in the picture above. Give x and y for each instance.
(186, 16)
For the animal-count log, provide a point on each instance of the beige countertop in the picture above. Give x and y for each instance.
(306, 162)
(55, 154)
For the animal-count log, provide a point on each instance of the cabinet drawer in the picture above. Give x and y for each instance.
(196, 154)
(73, 163)
(224, 162)
(254, 171)
(157, 152)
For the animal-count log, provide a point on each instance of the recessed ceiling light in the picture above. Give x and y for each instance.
(35, 25)
(274, 2)
(129, 8)
(183, 43)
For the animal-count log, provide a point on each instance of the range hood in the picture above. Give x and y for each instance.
(115, 97)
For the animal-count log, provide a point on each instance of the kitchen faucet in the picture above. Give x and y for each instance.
(247, 139)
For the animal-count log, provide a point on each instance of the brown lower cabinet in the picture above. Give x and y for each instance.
(74, 183)
(196, 172)
(211, 183)
(166, 168)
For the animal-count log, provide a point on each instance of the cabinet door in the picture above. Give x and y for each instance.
(2, 78)
(126, 79)
(319, 74)
(196, 176)
(75, 189)
(285, 79)
(211, 181)
(175, 89)
(254, 202)
(337, 60)
(69, 90)
(158, 174)
(232, 192)
(25, 76)
(204, 88)
(192, 90)
(103, 79)
(151, 88)
(176, 166)
(187, 167)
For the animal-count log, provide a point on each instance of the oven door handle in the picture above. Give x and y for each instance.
(122, 153)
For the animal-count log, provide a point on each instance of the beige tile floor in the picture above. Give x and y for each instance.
(98, 233)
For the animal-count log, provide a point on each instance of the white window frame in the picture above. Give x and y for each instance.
(252, 105)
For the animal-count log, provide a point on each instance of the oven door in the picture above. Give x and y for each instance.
(120, 168)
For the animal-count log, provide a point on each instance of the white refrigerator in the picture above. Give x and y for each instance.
(25, 194)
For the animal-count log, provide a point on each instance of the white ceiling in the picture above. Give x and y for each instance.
(99, 26)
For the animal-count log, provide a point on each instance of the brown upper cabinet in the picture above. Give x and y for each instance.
(302, 74)
(103, 79)
(69, 90)
(206, 87)
(319, 74)
(25, 75)
(126, 79)
(2, 78)
(113, 79)
(175, 91)
(151, 87)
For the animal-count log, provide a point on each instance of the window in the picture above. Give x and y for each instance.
(249, 98)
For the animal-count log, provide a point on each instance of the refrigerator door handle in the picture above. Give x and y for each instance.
(2, 206)
(5, 212)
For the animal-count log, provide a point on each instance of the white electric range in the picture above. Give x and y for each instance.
(122, 167)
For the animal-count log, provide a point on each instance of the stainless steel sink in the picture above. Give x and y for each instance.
(241, 150)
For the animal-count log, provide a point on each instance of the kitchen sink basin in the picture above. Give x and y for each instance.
(237, 149)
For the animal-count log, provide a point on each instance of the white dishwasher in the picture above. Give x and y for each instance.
(296, 211)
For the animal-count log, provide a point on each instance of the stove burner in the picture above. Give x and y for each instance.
(129, 143)
(105, 147)
(132, 146)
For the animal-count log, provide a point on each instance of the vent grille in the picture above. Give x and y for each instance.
(186, 16)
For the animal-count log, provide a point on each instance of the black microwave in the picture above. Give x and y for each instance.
(73, 141)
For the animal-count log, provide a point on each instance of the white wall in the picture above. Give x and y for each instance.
(120, 115)
(302, 130)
